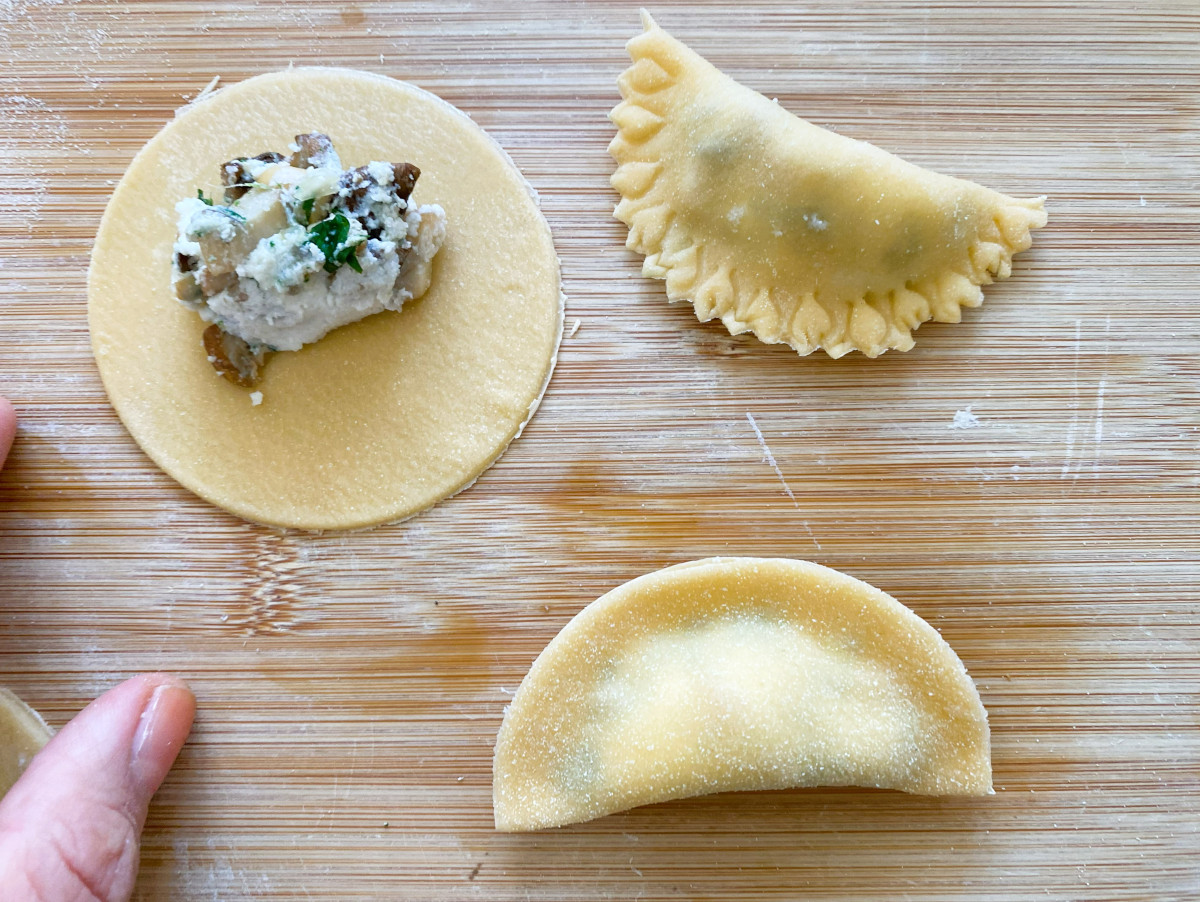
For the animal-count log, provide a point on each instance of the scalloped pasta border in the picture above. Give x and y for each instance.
(869, 324)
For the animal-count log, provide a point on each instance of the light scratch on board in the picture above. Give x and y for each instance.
(1066, 467)
(1100, 414)
(768, 457)
(1101, 386)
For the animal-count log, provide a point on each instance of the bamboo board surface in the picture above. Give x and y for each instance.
(351, 686)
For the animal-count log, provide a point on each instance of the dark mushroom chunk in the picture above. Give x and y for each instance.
(187, 289)
(404, 179)
(215, 282)
(352, 190)
(232, 357)
(315, 149)
(237, 180)
(354, 185)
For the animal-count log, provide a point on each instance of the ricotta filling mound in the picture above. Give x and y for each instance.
(299, 247)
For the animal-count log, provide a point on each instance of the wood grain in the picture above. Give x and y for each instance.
(351, 685)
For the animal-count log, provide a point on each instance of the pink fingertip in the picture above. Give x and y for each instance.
(162, 729)
(8, 426)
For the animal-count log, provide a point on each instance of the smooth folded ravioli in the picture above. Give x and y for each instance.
(736, 674)
(382, 417)
(784, 229)
(22, 735)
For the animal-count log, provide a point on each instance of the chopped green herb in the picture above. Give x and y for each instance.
(346, 255)
(200, 194)
(328, 235)
(307, 207)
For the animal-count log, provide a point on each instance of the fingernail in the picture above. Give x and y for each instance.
(149, 722)
(158, 736)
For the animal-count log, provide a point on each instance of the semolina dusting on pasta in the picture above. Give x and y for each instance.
(736, 674)
(780, 228)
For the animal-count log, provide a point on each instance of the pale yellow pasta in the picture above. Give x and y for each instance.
(736, 673)
(382, 417)
(787, 230)
(22, 735)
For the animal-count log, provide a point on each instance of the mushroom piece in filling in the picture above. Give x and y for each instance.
(297, 247)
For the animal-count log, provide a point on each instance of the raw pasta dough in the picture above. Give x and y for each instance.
(22, 735)
(736, 673)
(383, 417)
(790, 231)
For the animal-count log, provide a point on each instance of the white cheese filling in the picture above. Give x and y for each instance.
(259, 266)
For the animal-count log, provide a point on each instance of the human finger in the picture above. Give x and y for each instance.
(70, 827)
(8, 427)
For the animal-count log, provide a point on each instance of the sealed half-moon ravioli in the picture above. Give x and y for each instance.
(788, 230)
(361, 255)
(22, 735)
(731, 674)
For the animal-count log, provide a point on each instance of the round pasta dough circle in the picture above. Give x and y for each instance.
(384, 417)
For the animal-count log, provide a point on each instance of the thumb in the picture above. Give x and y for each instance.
(70, 827)
(8, 427)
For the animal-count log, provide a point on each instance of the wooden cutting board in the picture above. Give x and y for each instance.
(1026, 480)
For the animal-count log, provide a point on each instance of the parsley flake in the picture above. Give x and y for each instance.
(327, 236)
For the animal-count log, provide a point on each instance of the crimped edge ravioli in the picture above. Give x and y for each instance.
(805, 317)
